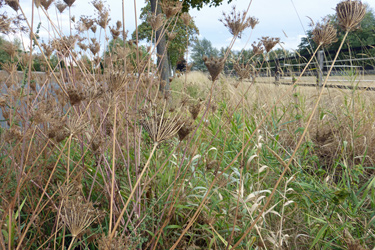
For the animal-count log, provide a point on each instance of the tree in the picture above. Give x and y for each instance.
(202, 48)
(179, 32)
(161, 47)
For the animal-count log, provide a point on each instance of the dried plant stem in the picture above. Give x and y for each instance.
(74, 237)
(40, 199)
(133, 191)
(68, 161)
(295, 150)
(113, 169)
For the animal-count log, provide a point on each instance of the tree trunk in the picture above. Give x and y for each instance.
(161, 50)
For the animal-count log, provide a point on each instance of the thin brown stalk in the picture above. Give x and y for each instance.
(113, 170)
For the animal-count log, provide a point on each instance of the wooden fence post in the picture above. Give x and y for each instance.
(277, 71)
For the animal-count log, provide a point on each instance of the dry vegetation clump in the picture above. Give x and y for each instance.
(94, 155)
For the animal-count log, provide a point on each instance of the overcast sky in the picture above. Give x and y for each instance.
(286, 19)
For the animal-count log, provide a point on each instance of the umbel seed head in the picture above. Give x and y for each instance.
(214, 66)
(237, 22)
(324, 33)
(161, 127)
(156, 21)
(269, 42)
(170, 7)
(350, 13)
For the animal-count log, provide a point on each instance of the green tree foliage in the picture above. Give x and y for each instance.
(198, 4)
(176, 46)
(202, 48)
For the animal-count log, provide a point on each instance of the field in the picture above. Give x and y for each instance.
(99, 151)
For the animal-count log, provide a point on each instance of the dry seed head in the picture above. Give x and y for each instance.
(65, 44)
(94, 46)
(48, 50)
(171, 35)
(98, 4)
(237, 22)
(46, 3)
(214, 66)
(69, 2)
(119, 242)
(10, 68)
(114, 32)
(5, 24)
(10, 48)
(117, 80)
(186, 18)
(118, 25)
(103, 19)
(14, 4)
(61, 6)
(37, 3)
(350, 14)
(269, 42)
(82, 46)
(3, 101)
(75, 95)
(243, 70)
(161, 127)
(68, 190)
(93, 28)
(156, 21)
(185, 130)
(324, 33)
(253, 22)
(87, 22)
(78, 214)
(170, 7)
(75, 125)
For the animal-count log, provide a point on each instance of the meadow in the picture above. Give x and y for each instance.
(96, 154)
